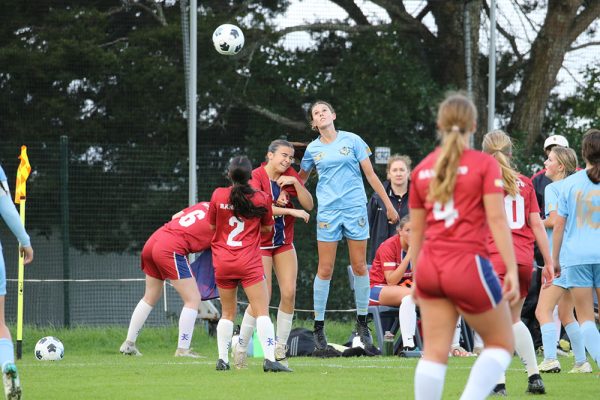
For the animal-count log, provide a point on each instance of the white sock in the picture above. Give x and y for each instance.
(477, 340)
(138, 318)
(485, 373)
(502, 379)
(456, 337)
(284, 326)
(246, 331)
(266, 334)
(224, 334)
(429, 380)
(524, 348)
(187, 320)
(558, 324)
(408, 321)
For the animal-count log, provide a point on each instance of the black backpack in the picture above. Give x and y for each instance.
(300, 342)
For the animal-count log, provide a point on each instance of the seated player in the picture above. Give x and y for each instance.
(391, 279)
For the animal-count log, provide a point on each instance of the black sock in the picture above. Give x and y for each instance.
(319, 325)
(362, 319)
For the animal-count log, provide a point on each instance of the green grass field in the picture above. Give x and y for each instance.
(93, 368)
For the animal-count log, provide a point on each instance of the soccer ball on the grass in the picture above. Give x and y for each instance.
(49, 348)
(228, 39)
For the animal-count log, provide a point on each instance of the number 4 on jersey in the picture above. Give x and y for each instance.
(445, 212)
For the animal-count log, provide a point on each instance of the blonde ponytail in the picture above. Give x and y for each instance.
(457, 117)
(441, 186)
(498, 144)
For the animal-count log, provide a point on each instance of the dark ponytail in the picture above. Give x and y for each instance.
(590, 149)
(240, 172)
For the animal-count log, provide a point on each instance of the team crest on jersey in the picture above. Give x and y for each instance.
(362, 222)
(498, 183)
(319, 156)
(345, 151)
(323, 225)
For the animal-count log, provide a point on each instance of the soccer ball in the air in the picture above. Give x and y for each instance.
(228, 39)
(49, 348)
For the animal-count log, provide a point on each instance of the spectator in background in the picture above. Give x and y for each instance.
(339, 156)
(396, 188)
(391, 281)
(576, 233)
(10, 376)
(561, 163)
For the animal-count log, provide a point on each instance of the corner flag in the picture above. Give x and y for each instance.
(22, 175)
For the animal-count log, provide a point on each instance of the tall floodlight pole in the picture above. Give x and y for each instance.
(492, 68)
(192, 104)
(468, 62)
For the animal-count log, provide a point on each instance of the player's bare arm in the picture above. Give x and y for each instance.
(537, 226)
(496, 218)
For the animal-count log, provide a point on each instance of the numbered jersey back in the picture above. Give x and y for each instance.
(517, 209)
(192, 225)
(461, 222)
(236, 240)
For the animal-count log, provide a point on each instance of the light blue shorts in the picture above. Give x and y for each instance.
(561, 281)
(351, 223)
(584, 276)
(2, 274)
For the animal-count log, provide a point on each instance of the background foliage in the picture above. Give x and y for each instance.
(109, 75)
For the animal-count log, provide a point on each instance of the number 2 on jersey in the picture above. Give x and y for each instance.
(514, 206)
(239, 228)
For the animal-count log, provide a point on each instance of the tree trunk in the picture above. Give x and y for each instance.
(547, 55)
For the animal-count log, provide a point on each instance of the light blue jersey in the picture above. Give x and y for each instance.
(9, 212)
(579, 203)
(12, 219)
(551, 194)
(340, 182)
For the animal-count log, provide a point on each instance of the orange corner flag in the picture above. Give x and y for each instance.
(22, 175)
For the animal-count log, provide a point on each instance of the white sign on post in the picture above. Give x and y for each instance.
(382, 154)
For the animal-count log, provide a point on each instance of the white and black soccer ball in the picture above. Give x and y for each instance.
(49, 348)
(228, 39)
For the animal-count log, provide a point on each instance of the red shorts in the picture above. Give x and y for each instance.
(466, 279)
(525, 274)
(273, 251)
(229, 276)
(161, 262)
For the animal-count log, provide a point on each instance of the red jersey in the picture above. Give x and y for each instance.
(283, 228)
(388, 257)
(460, 224)
(517, 210)
(189, 233)
(236, 241)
